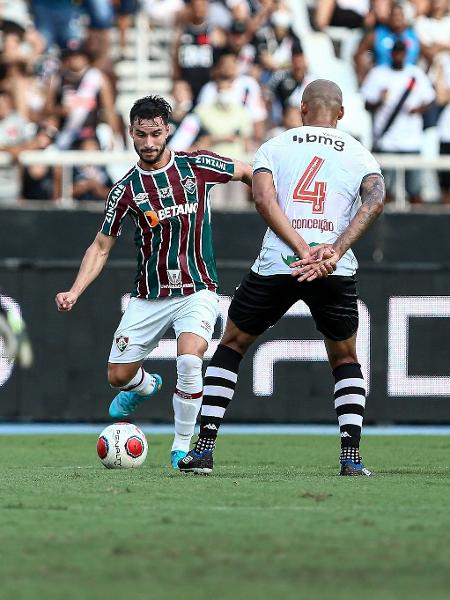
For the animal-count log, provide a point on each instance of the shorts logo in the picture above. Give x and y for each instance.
(189, 184)
(122, 342)
(206, 326)
(174, 278)
(165, 192)
(141, 198)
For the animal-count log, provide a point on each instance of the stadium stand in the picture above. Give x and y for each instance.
(140, 54)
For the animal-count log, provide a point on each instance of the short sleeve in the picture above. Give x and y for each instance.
(216, 168)
(263, 159)
(116, 207)
(368, 164)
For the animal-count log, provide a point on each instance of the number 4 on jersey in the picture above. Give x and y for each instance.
(316, 196)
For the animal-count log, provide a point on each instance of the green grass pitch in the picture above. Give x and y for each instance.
(273, 521)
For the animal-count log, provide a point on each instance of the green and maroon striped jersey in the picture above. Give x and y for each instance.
(171, 211)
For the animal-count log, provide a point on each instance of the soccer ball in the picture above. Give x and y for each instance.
(122, 446)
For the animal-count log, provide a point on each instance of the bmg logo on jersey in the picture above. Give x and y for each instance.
(337, 145)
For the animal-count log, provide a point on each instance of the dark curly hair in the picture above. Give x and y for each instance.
(149, 108)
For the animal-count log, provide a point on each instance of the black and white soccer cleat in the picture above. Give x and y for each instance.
(352, 469)
(199, 463)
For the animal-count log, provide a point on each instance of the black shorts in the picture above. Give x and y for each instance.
(261, 300)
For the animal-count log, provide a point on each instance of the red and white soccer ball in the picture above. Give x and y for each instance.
(122, 446)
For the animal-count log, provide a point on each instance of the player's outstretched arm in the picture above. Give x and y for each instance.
(242, 172)
(372, 198)
(91, 266)
(265, 196)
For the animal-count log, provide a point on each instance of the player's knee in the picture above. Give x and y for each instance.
(119, 375)
(189, 368)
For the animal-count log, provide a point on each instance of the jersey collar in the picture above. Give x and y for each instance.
(169, 164)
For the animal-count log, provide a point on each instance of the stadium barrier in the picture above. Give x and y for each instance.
(70, 158)
(402, 345)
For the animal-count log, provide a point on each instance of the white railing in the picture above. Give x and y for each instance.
(70, 158)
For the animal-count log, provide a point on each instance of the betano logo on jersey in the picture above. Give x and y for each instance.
(155, 217)
(338, 145)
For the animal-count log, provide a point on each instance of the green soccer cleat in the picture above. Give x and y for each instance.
(175, 456)
(126, 402)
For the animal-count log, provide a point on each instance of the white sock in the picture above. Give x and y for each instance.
(142, 383)
(187, 399)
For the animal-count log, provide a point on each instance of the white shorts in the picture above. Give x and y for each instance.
(144, 323)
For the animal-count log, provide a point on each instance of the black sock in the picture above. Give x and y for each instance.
(205, 443)
(350, 453)
(220, 381)
(349, 402)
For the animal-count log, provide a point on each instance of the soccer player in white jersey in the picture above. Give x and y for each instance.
(318, 190)
(167, 196)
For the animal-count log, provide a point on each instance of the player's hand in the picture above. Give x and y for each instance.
(317, 254)
(311, 267)
(65, 301)
(316, 270)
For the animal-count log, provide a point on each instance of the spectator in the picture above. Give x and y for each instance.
(163, 13)
(13, 131)
(381, 41)
(90, 182)
(276, 43)
(79, 95)
(434, 30)
(443, 126)
(380, 13)
(20, 40)
(341, 13)
(58, 22)
(398, 95)
(239, 42)
(245, 89)
(226, 124)
(101, 17)
(181, 106)
(291, 118)
(124, 10)
(193, 55)
(40, 182)
(287, 86)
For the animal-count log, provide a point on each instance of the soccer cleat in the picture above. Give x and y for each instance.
(175, 456)
(126, 402)
(352, 469)
(199, 463)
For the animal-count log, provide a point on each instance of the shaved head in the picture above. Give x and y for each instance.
(322, 102)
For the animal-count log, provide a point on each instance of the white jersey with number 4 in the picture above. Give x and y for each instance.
(317, 173)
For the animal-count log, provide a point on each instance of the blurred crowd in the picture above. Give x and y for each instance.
(238, 70)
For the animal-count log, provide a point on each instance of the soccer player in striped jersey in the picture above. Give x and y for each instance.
(318, 190)
(167, 196)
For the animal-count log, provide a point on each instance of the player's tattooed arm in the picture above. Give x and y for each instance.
(372, 193)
